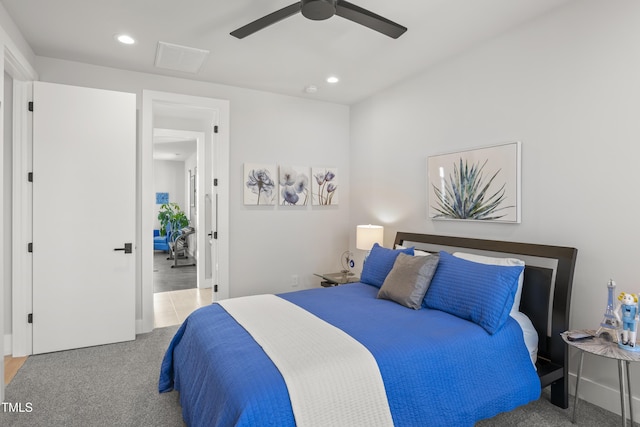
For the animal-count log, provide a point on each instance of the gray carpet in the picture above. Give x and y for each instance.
(542, 413)
(116, 385)
(110, 385)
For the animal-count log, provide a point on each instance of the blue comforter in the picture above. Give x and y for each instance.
(438, 370)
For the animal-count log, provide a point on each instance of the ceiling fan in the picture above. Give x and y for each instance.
(319, 10)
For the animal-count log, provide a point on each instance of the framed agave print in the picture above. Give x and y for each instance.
(260, 184)
(482, 184)
(295, 186)
(324, 186)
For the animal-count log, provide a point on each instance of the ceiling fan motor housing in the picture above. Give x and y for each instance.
(318, 10)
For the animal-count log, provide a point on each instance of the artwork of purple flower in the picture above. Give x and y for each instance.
(259, 182)
(326, 186)
(294, 187)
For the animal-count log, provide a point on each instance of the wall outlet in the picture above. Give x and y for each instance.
(294, 281)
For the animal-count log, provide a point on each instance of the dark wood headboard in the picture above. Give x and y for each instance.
(546, 295)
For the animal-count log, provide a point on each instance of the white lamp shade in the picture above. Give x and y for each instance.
(367, 235)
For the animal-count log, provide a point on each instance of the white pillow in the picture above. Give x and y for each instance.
(499, 261)
(530, 335)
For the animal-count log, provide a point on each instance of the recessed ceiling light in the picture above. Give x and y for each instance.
(125, 39)
(311, 89)
(332, 79)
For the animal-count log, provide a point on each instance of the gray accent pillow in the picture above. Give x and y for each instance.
(409, 279)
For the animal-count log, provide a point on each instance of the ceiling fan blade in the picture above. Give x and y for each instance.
(265, 21)
(369, 19)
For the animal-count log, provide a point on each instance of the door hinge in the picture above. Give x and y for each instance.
(30, 106)
(30, 177)
(215, 182)
(215, 129)
(29, 247)
(215, 288)
(30, 318)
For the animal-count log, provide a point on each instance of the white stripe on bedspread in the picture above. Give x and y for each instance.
(332, 379)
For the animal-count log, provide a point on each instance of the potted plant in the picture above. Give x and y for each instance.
(170, 213)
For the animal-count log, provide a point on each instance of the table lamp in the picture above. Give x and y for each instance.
(367, 236)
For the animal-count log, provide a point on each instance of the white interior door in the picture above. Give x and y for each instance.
(84, 158)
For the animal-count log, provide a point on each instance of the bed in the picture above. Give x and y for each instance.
(452, 353)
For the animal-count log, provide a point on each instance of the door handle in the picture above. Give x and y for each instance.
(128, 248)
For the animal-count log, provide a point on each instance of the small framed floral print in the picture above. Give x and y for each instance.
(260, 184)
(294, 186)
(324, 186)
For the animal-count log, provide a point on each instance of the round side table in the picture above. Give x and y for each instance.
(608, 349)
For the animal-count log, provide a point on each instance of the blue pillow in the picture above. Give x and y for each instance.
(481, 293)
(379, 263)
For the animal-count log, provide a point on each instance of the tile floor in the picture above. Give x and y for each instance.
(171, 308)
(166, 278)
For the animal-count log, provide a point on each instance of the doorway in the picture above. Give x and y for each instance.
(175, 169)
(209, 117)
(179, 284)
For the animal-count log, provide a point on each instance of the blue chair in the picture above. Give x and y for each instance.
(161, 243)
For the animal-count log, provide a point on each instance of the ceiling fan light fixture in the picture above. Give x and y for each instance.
(318, 10)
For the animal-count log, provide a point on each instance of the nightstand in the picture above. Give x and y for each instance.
(602, 347)
(335, 279)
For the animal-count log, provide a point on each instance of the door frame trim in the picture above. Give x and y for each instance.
(22, 221)
(21, 274)
(145, 318)
(20, 69)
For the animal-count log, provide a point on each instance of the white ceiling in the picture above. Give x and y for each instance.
(173, 148)
(172, 144)
(283, 58)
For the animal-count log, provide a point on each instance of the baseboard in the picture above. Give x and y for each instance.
(600, 395)
(8, 341)
(141, 327)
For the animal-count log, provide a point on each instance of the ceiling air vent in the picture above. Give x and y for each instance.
(180, 58)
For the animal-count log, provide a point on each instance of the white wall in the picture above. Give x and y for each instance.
(268, 245)
(169, 177)
(566, 85)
